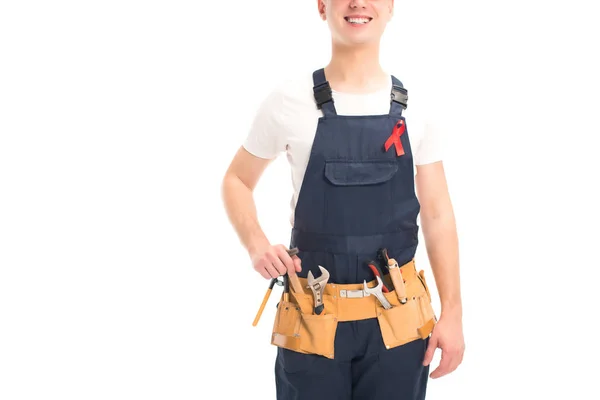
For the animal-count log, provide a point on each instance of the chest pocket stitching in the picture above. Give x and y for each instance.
(348, 173)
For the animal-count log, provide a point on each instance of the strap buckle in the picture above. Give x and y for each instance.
(322, 94)
(400, 95)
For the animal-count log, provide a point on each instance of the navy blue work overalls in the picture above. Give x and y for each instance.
(355, 198)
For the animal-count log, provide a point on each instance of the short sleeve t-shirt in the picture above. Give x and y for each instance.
(286, 122)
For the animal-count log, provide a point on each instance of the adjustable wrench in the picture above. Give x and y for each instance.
(318, 286)
(377, 292)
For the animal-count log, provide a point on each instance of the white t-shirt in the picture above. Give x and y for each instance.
(287, 120)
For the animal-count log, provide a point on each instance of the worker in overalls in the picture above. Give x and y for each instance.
(358, 322)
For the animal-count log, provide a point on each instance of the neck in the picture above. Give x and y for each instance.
(356, 69)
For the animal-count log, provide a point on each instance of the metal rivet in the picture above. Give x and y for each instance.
(387, 347)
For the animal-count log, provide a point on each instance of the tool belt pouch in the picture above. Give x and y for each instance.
(298, 328)
(412, 320)
(305, 332)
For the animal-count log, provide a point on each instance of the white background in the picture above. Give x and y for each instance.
(121, 277)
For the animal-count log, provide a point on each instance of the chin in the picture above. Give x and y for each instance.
(358, 40)
(347, 37)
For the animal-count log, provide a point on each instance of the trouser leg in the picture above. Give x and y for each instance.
(394, 374)
(301, 376)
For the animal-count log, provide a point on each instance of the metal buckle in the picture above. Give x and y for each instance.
(353, 294)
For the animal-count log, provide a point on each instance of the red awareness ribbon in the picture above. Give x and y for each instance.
(394, 138)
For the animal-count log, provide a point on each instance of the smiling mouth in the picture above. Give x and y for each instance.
(359, 20)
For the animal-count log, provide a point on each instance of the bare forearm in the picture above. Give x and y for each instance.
(442, 248)
(241, 211)
(441, 240)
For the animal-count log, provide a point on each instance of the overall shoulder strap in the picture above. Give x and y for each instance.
(399, 97)
(322, 92)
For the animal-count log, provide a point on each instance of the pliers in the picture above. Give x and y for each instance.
(374, 266)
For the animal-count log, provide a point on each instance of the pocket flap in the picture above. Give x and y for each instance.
(345, 173)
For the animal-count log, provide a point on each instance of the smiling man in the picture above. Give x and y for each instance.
(358, 323)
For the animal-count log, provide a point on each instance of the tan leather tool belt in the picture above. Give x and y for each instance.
(410, 317)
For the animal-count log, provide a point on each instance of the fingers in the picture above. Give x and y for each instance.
(265, 266)
(274, 258)
(443, 368)
(430, 350)
(451, 359)
(290, 264)
(286, 259)
(264, 273)
(293, 263)
(276, 261)
(457, 357)
(273, 273)
(456, 360)
(297, 263)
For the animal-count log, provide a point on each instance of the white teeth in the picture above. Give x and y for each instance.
(358, 20)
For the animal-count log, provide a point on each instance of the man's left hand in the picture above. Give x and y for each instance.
(448, 336)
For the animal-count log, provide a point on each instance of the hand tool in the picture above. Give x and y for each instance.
(295, 282)
(286, 288)
(382, 254)
(293, 277)
(264, 302)
(318, 286)
(377, 292)
(378, 272)
(395, 274)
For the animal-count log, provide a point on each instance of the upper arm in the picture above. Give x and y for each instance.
(247, 167)
(432, 189)
(266, 139)
(431, 182)
(267, 136)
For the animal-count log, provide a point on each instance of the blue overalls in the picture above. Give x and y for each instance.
(355, 198)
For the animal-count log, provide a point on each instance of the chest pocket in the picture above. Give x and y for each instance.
(353, 173)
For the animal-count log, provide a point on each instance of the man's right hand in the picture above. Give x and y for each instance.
(272, 261)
